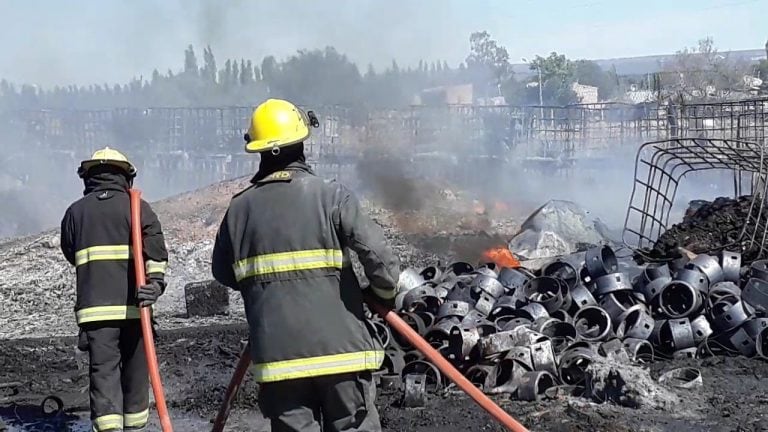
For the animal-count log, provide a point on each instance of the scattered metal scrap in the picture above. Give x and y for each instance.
(523, 332)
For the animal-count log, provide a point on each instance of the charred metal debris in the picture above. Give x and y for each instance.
(530, 334)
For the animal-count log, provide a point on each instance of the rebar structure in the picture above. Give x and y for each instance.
(660, 167)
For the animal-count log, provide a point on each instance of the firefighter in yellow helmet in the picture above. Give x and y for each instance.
(95, 238)
(284, 245)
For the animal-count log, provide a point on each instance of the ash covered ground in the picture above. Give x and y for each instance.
(197, 355)
(197, 363)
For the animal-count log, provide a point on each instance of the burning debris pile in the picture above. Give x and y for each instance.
(714, 226)
(581, 321)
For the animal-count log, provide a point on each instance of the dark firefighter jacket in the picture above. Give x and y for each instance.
(283, 245)
(96, 239)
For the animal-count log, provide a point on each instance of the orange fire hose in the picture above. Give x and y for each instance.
(446, 367)
(234, 385)
(146, 319)
(417, 341)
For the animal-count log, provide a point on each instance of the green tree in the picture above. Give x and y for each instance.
(702, 73)
(209, 70)
(488, 63)
(246, 73)
(269, 71)
(590, 73)
(190, 62)
(557, 78)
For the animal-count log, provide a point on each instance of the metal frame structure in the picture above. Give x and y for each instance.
(660, 166)
(192, 147)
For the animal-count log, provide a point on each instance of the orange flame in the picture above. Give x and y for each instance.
(501, 256)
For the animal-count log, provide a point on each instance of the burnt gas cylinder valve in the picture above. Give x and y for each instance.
(636, 323)
(488, 285)
(560, 333)
(431, 273)
(409, 279)
(574, 363)
(453, 308)
(655, 271)
(701, 329)
(458, 268)
(759, 269)
(709, 266)
(547, 291)
(722, 291)
(600, 261)
(639, 350)
(728, 316)
(731, 264)
(415, 391)
(693, 277)
(561, 270)
(592, 323)
(612, 283)
(533, 385)
(652, 289)
(463, 344)
(676, 335)
(755, 293)
(390, 383)
(581, 298)
(512, 279)
(679, 299)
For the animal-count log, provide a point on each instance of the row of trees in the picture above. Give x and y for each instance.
(327, 77)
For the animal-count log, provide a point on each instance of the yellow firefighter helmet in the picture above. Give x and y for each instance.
(107, 156)
(278, 123)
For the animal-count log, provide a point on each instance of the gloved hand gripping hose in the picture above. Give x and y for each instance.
(146, 320)
(417, 341)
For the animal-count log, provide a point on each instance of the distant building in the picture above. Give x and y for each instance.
(491, 101)
(585, 93)
(446, 95)
(639, 96)
(752, 83)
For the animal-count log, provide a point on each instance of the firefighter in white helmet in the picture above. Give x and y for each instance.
(95, 238)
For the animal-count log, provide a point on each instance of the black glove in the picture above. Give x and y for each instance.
(82, 341)
(148, 294)
(368, 293)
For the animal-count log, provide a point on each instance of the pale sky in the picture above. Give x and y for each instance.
(48, 42)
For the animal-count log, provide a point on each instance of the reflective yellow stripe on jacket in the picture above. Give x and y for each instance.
(288, 261)
(102, 253)
(317, 366)
(106, 313)
(155, 266)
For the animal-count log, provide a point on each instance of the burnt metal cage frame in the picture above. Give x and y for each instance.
(660, 167)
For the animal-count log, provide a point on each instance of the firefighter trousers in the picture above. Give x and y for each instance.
(331, 403)
(119, 387)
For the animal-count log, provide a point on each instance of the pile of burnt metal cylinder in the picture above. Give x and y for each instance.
(520, 332)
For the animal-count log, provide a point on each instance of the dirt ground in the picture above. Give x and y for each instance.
(196, 365)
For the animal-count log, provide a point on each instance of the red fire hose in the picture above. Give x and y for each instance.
(146, 319)
(417, 341)
(234, 385)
